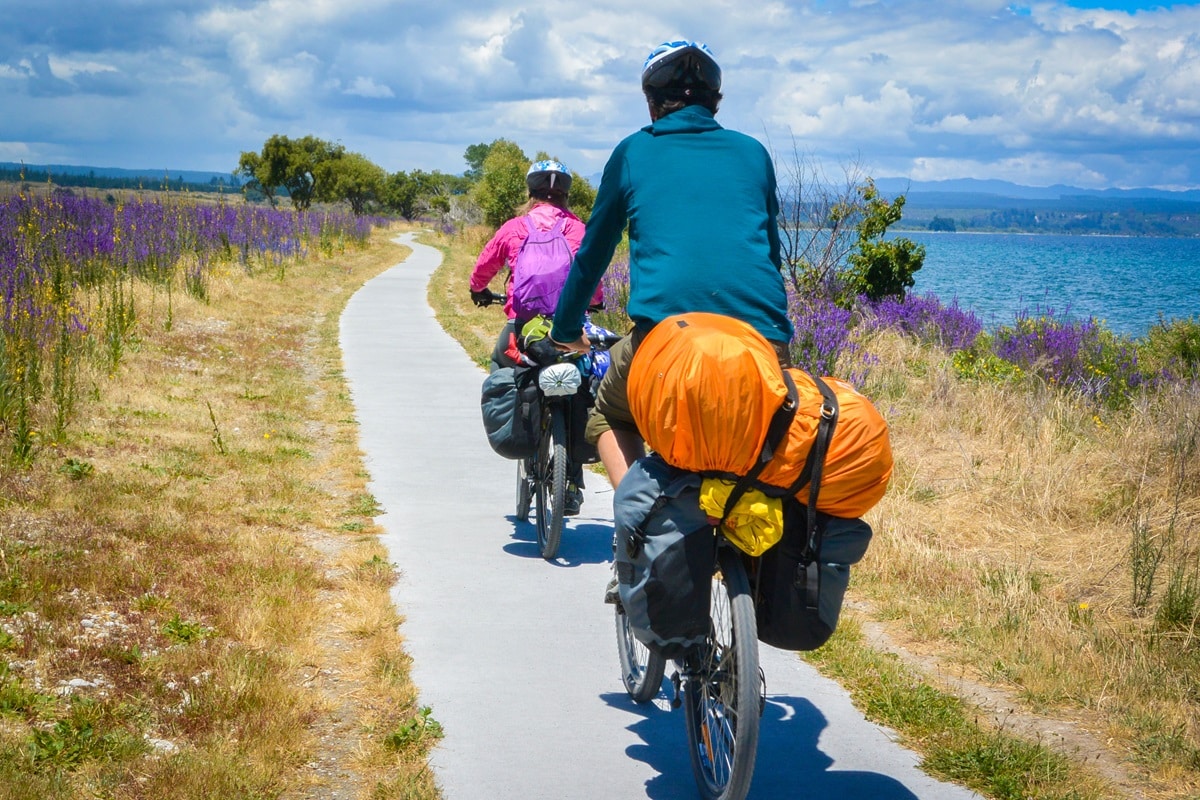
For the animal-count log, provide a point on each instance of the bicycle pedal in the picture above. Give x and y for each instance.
(676, 683)
(762, 695)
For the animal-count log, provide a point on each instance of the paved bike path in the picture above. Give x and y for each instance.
(516, 656)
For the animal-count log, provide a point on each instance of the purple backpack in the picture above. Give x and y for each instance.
(540, 270)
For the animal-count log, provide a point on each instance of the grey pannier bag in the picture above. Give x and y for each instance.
(665, 551)
(511, 410)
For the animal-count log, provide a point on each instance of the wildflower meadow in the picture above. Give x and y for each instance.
(69, 266)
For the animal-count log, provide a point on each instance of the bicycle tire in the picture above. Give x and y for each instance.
(552, 482)
(524, 489)
(721, 690)
(641, 669)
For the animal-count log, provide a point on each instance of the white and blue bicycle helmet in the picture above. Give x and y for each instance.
(548, 176)
(679, 65)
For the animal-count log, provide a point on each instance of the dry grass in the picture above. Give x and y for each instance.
(474, 328)
(1006, 546)
(200, 558)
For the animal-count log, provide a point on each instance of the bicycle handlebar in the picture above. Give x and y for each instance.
(604, 341)
(487, 297)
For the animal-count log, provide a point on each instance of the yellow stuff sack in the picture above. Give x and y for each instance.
(703, 389)
(754, 524)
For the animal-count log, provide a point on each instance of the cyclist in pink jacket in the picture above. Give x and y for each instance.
(549, 183)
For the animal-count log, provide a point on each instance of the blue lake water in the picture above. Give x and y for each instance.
(1125, 281)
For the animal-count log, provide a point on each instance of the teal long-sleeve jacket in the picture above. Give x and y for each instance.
(702, 209)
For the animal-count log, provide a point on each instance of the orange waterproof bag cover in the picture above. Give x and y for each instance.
(703, 389)
(858, 465)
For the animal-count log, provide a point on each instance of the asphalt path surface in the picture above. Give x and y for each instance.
(516, 656)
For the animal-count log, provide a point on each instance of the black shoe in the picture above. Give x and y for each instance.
(572, 502)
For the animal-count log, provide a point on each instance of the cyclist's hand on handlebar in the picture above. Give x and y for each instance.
(580, 345)
(483, 298)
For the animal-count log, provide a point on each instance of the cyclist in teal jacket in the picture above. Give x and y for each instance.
(701, 205)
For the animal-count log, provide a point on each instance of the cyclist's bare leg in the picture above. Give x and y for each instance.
(618, 450)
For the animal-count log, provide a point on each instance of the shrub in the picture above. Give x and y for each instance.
(1174, 348)
(981, 364)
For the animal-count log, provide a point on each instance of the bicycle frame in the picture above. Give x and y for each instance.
(544, 478)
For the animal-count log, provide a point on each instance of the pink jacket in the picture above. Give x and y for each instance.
(503, 247)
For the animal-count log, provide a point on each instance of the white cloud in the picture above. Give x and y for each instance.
(66, 69)
(16, 152)
(367, 87)
(983, 86)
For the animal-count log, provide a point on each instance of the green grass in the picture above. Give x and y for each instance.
(955, 744)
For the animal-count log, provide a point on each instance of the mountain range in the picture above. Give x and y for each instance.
(1013, 191)
(148, 175)
(945, 194)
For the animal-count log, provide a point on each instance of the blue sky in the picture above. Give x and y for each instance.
(1097, 95)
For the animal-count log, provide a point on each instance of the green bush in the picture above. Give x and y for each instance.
(1173, 347)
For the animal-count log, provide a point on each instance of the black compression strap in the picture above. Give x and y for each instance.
(781, 420)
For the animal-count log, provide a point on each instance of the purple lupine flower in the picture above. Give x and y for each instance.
(822, 339)
(1081, 356)
(59, 253)
(925, 318)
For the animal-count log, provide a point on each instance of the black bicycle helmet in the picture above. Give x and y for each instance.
(681, 65)
(547, 176)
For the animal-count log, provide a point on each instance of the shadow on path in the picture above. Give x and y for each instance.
(790, 763)
(582, 543)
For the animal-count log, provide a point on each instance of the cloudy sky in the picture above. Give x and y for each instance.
(1091, 94)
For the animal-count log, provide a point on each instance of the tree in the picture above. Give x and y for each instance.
(501, 187)
(832, 236)
(433, 191)
(419, 192)
(304, 168)
(350, 177)
(582, 196)
(258, 176)
(290, 163)
(400, 194)
(942, 224)
(882, 267)
(475, 155)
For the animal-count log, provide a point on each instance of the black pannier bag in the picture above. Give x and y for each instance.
(665, 550)
(579, 448)
(797, 605)
(512, 411)
(665, 555)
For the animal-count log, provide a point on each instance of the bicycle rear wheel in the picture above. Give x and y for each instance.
(721, 692)
(641, 669)
(551, 491)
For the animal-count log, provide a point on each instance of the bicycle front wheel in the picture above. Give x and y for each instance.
(641, 669)
(552, 481)
(524, 488)
(721, 694)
